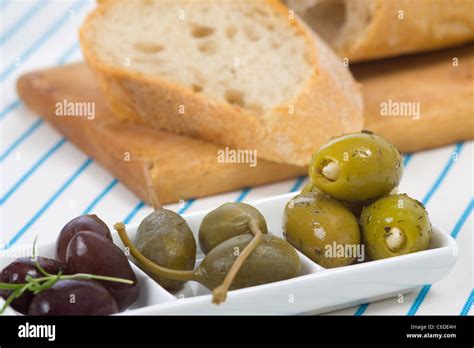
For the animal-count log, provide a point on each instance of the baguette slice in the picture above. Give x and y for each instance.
(243, 74)
(183, 168)
(368, 29)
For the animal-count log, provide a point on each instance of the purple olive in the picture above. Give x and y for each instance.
(16, 272)
(89, 223)
(92, 253)
(74, 297)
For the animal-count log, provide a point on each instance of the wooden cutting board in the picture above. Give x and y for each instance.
(186, 168)
(440, 83)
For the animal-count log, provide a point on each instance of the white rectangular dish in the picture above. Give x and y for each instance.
(316, 290)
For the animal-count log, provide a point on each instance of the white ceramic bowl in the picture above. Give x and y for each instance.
(316, 290)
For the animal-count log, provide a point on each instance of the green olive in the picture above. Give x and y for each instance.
(309, 187)
(227, 221)
(356, 167)
(323, 229)
(165, 238)
(354, 207)
(395, 225)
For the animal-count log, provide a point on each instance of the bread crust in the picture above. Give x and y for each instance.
(426, 25)
(324, 106)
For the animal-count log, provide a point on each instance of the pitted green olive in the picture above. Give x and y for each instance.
(308, 188)
(395, 225)
(356, 167)
(323, 229)
(354, 207)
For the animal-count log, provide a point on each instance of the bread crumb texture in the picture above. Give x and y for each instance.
(249, 54)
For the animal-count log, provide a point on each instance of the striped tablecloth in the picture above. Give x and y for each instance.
(45, 180)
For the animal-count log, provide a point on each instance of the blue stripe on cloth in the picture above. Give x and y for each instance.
(424, 291)
(462, 219)
(134, 212)
(467, 306)
(443, 173)
(43, 38)
(62, 59)
(141, 204)
(21, 139)
(10, 107)
(8, 33)
(101, 195)
(360, 311)
(296, 186)
(407, 158)
(35, 166)
(419, 299)
(243, 194)
(186, 206)
(48, 203)
(28, 132)
(240, 198)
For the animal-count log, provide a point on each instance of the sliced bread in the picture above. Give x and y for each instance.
(368, 29)
(244, 74)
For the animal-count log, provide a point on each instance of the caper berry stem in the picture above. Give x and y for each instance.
(219, 294)
(155, 202)
(151, 266)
